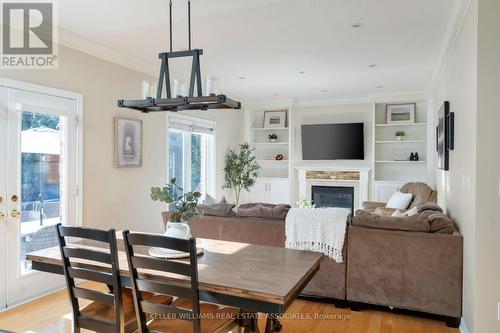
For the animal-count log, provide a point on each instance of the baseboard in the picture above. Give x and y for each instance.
(463, 326)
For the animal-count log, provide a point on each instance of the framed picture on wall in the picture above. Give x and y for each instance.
(400, 113)
(128, 143)
(444, 136)
(275, 119)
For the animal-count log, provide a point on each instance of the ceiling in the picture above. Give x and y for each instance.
(265, 49)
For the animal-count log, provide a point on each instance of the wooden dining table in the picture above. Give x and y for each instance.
(254, 278)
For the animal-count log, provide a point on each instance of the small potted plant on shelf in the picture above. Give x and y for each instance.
(272, 137)
(182, 206)
(400, 135)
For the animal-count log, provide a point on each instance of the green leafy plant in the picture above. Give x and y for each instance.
(272, 136)
(241, 169)
(182, 205)
(400, 133)
(304, 203)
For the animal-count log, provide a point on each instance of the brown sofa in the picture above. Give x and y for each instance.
(421, 193)
(329, 282)
(412, 263)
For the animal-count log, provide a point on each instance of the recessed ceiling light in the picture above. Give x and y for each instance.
(324, 90)
(302, 72)
(372, 65)
(276, 94)
(357, 25)
(241, 77)
(379, 87)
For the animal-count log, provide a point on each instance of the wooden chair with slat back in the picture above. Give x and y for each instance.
(186, 313)
(111, 311)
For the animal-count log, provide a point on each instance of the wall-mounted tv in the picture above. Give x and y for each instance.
(333, 142)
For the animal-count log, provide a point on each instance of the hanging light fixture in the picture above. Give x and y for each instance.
(179, 103)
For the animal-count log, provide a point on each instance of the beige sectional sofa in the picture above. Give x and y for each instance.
(412, 263)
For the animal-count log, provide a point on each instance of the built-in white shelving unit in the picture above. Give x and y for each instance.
(266, 151)
(273, 182)
(392, 167)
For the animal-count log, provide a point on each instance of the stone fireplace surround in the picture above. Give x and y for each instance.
(357, 178)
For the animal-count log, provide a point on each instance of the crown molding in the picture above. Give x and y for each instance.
(455, 24)
(85, 45)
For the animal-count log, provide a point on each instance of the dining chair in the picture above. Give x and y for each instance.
(111, 311)
(186, 313)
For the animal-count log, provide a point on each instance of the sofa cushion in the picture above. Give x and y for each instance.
(439, 223)
(399, 200)
(421, 192)
(407, 223)
(429, 206)
(219, 209)
(263, 210)
(384, 211)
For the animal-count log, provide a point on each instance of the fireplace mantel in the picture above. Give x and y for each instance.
(359, 183)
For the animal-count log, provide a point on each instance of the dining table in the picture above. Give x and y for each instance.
(257, 279)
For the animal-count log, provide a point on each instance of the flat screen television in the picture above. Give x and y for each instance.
(333, 142)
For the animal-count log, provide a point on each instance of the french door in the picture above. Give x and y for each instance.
(38, 185)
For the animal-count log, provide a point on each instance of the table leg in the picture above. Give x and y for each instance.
(250, 322)
(273, 325)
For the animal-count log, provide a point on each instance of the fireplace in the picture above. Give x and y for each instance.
(333, 196)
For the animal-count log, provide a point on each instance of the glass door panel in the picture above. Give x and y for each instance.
(42, 181)
(41, 185)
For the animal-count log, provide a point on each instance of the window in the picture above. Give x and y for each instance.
(191, 154)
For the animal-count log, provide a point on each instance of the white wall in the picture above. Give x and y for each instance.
(458, 85)
(488, 169)
(112, 197)
(470, 190)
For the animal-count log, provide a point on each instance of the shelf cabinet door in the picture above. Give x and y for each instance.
(384, 190)
(279, 191)
(259, 192)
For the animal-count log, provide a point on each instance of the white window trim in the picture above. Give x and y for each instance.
(211, 161)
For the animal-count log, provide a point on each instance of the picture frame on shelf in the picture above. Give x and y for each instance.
(402, 113)
(128, 143)
(275, 119)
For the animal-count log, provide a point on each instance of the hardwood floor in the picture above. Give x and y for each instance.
(51, 314)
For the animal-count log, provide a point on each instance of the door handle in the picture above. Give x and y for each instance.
(14, 213)
(2, 216)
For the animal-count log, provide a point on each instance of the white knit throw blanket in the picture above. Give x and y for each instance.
(319, 230)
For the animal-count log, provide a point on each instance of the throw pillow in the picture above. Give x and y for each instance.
(209, 200)
(219, 209)
(411, 212)
(397, 212)
(399, 200)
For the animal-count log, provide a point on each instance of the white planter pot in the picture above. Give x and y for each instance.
(178, 230)
(400, 138)
(272, 140)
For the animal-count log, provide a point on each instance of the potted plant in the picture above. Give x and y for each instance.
(240, 170)
(400, 135)
(272, 137)
(182, 206)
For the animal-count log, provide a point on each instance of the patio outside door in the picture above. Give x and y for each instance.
(38, 185)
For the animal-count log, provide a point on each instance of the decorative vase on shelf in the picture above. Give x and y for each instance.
(178, 230)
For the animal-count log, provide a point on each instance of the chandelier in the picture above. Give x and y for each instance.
(167, 102)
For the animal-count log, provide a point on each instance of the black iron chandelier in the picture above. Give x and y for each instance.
(179, 103)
